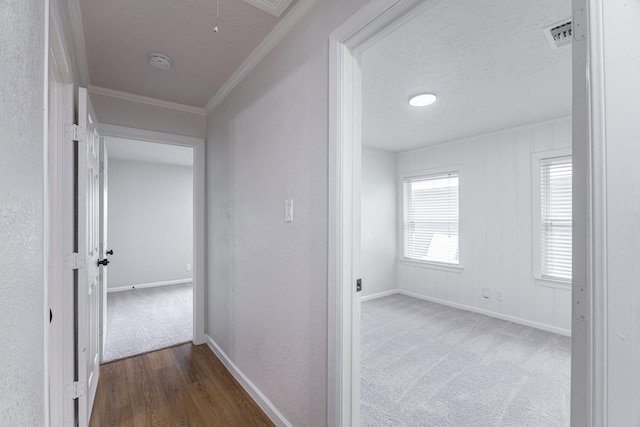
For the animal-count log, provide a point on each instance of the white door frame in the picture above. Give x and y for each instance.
(199, 232)
(59, 233)
(367, 26)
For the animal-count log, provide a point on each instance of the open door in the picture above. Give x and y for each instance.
(88, 247)
(104, 191)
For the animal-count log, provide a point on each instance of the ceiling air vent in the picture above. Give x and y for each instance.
(560, 33)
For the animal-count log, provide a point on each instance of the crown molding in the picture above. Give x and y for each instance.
(80, 50)
(272, 7)
(146, 100)
(272, 39)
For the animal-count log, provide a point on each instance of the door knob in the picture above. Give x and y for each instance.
(104, 262)
(110, 252)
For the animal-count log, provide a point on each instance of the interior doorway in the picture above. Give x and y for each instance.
(370, 25)
(188, 152)
(147, 235)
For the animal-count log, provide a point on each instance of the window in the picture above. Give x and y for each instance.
(555, 218)
(431, 218)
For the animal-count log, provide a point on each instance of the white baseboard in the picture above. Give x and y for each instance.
(255, 393)
(149, 285)
(380, 295)
(537, 325)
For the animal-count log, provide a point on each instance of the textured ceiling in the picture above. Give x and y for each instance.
(142, 151)
(120, 35)
(489, 63)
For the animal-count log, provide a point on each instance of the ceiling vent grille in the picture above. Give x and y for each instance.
(560, 33)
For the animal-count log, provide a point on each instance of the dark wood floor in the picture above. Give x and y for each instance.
(179, 386)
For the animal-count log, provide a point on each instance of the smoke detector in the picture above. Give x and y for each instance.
(560, 33)
(159, 61)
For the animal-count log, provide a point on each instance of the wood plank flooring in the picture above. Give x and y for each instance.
(184, 385)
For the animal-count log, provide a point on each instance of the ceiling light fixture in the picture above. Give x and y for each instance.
(159, 61)
(422, 100)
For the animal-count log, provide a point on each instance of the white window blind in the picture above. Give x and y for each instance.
(431, 218)
(555, 174)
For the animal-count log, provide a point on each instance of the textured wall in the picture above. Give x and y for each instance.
(267, 295)
(22, 47)
(378, 221)
(122, 112)
(496, 226)
(150, 222)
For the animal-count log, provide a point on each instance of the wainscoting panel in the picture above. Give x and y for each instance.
(496, 229)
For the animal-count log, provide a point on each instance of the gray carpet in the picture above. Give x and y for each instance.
(142, 320)
(425, 364)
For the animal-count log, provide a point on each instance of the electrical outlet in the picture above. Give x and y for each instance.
(499, 295)
(188, 267)
(486, 292)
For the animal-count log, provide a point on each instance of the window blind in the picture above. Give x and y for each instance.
(556, 217)
(431, 218)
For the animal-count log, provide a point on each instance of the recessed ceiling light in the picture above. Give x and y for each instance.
(422, 100)
(159, 61)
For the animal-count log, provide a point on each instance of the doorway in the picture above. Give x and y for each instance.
(147, 235)
(195, 150)
(347, 44)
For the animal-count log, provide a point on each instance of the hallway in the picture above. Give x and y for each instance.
(184, 385)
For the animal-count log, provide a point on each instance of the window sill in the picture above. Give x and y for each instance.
(550, 283)
(453, 268)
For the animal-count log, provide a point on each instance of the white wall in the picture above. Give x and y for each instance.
(150, 222)
(267, 295)
(621, 24)
(122, 112)
(495, 225)
(378, 221)
(22, 287)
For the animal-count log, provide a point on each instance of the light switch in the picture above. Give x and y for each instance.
(288, 210)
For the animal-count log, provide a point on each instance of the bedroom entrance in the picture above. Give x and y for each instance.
(148, 237)
(445, 167)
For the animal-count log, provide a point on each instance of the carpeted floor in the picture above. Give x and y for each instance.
(425, 364)
(141, 320)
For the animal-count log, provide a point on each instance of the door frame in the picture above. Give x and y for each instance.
(59, 231)
(199, 232)
(374, 21)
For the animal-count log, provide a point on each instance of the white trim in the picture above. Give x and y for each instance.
(149, 285)
(272, 7)
(145, 100)
(77, 29)
(263, 402)
(537, 325)
(199, 232)
(593, 292)
(380, 295)
(58, 235)
(345, 107)
(430, 265)
(273, 38)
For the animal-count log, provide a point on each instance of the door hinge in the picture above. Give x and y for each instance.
(579, 25)
(74, 132)
(358, 285)
(74, 261)
(74, 390)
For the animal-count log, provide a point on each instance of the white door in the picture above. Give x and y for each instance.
(104, 247)
(88, 214)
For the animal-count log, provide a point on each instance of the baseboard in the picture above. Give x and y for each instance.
(149, 285)
(255, 393)
(537, 325)
(380, 295)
